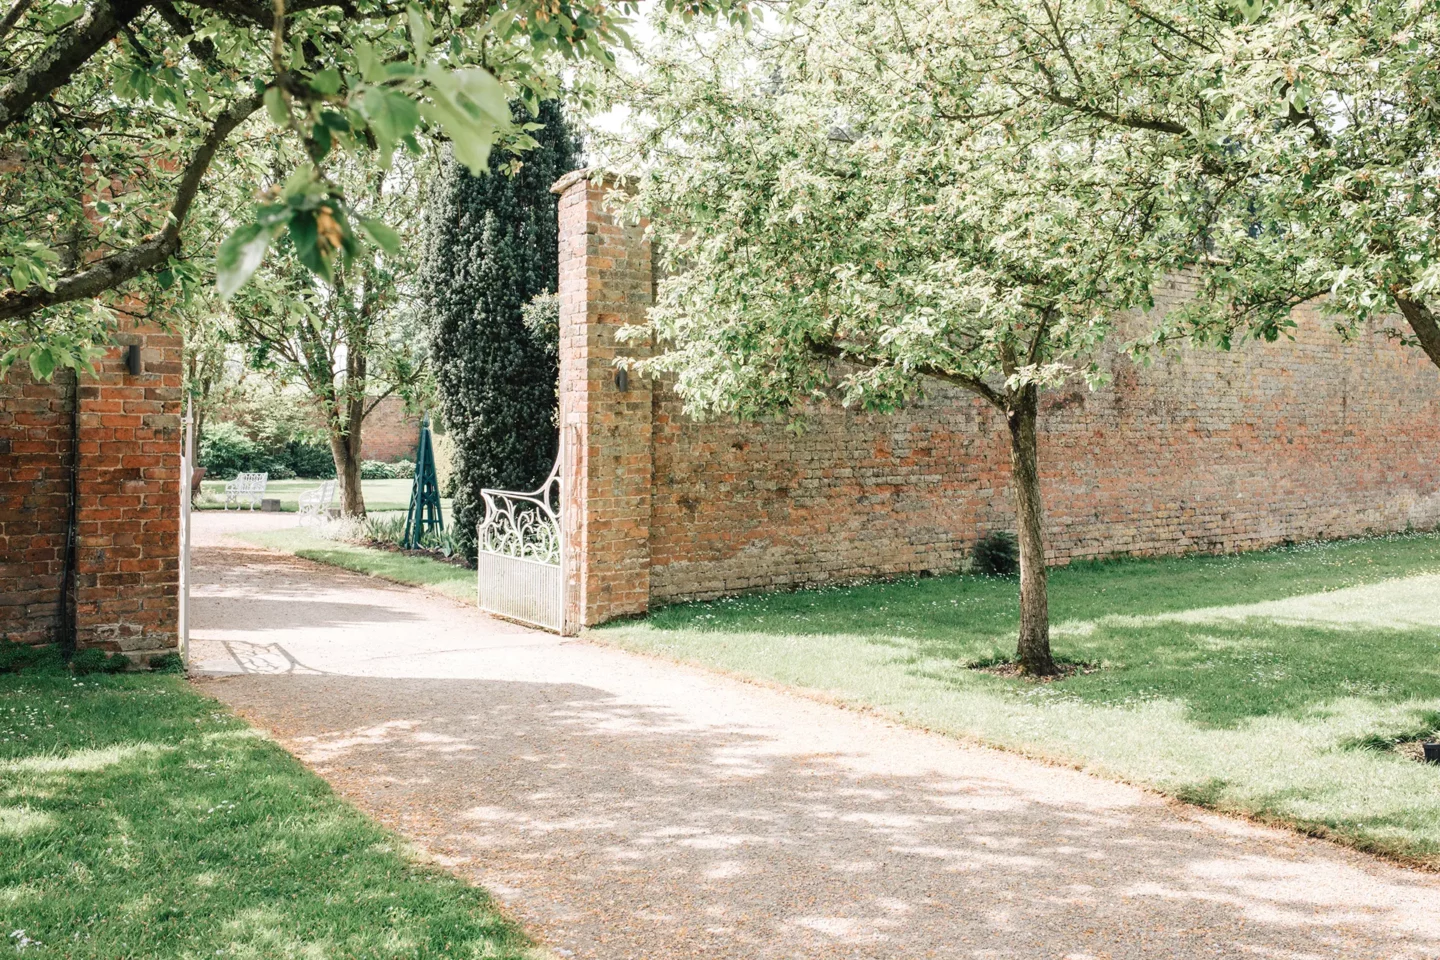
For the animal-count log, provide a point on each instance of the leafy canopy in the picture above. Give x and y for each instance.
(119, 117)
(854, 184)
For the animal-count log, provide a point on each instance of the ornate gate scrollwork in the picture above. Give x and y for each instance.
(523, 525)
(518, 549)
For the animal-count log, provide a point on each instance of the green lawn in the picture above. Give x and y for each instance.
(446, 578)
(1272, 684)
(379, 494)
(139, 819)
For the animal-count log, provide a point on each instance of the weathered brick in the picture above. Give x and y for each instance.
(1208, 451)
(127, 504)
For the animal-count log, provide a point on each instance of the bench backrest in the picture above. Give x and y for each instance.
(251, 482)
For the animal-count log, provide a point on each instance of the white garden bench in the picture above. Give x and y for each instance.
(246, 487)
(315, 504)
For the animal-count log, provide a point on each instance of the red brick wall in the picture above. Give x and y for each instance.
(389, 433)
(34, 493)
(128, 505)
(1214, 451)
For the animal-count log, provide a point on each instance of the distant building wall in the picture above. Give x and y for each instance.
(390, 433)
(1214, 451)
(126, 588)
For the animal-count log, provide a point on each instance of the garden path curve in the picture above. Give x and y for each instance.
(625, 807)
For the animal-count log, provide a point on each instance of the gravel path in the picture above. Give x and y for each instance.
(624, 807)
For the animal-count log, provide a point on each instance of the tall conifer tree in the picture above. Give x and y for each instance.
(492, 247)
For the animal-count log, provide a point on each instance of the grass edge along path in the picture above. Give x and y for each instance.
(1271, 685)
(141, 818)
(447, 579)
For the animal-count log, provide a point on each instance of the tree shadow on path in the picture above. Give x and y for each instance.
(619, 829)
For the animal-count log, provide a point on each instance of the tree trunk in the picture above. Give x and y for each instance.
(1033, 653)
(345, 450)
(1425, 324)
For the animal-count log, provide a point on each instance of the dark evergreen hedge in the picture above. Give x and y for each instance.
(492, 245)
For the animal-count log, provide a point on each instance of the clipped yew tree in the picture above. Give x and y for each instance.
(847, 204)
(492, 247)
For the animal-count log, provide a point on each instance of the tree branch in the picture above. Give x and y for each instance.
(58, 62)
(13, 17)
(974, 384)
(1119, 119)
(1424, 322)
(202, 50)
(109, 272)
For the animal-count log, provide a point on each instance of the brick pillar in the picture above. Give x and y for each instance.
(605, 284)
(128, 520)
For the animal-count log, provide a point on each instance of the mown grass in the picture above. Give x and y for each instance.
(139, 819)
(1270, 684)
(379, 494)
(445, 578)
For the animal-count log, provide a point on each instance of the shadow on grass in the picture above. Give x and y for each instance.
(1231, 637)
(138, 819)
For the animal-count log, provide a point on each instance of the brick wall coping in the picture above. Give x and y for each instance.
(572, 178)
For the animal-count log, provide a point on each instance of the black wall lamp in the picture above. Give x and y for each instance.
(132, 359)
(622, 379)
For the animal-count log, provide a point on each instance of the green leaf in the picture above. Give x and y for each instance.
(240, 256)
(305, 236)
(370, 66)
(326, 82)
(276, 107)
(1250, 9)
(321, 135)
(469, 139)
(66, 15)
(419, 31)
(299, 183)
(482, 89)
(404, 114)
(380, 234)
(42, 363)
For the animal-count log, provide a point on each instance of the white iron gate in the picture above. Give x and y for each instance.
(519, 546)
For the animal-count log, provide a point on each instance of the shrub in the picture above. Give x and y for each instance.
(225, 450)
(374, 470)
(542, 320)
(89, 661)
(168, 663)
(997, 554)
(389, 528)
(380, 470)
(491, 247)
(384, 528)
(15, 657)
(443, 446)
(310, 459)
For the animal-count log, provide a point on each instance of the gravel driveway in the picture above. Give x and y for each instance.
(624, 807)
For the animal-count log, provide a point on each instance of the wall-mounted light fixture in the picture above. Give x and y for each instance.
(132, 359)
(622, 379)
